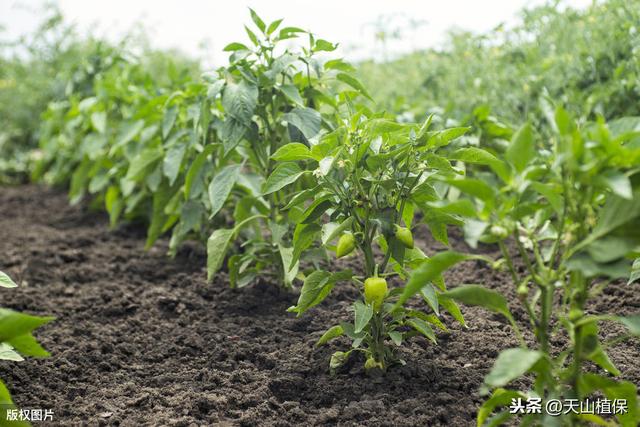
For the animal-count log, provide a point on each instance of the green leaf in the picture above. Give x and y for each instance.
(240, 100)
(316, 287)
(431, 298)
(172, 161)
(14, 324)
(379, 126)
(292, 94)
(500, 397)
(473, 231)
(127, 133)
(232, 47)
(564, 122)
(231, 133)
(363, 314)
(354, 83)
(522, 149)
(291, 152)
(27, 345)
(303, 237)
(140, 164)
(220, 187)
(632, 323)
(315, 210)
(160, 200)
(593, 350)
(339, 64)
(479, 156)
(552, 193)
(273, 26)
(396, 337)
(462, 207)
(635, 271)
(331, 333)
(114, 204)
(452, 308)
(512, 364)
(619, 183)
(332, 230)
(324, 46)
(99, 121)
(283, 175)
(591, 268)
(288, 32)
(616, 212)
(7, 404)
(252, 36)
(429, 271)
(422, 327)
(194, 171)
(168, 121)
(8, 353)
(6, 282)
(256, 20)
(613, 390)
(480, 296)
(444, 137)
(307, 120)
(301, 197)
(79, 180)
(217, 246)
(290, 271)
(429, 318)
(474, 187)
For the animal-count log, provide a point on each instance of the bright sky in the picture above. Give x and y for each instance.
(186, 24)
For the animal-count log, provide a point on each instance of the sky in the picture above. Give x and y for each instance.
(201, 28)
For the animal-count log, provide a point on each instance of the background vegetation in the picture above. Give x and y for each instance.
(525, 136)
(588, 60)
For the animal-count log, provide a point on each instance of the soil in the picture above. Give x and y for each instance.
(141, 339)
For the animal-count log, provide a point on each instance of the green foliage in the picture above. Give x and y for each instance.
(16, 341)
(177, 152)
(279, 159)
(370, 175)
(573, 214)
(50, 65)
(586, 59)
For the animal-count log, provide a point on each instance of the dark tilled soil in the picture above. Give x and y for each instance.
(141, 339)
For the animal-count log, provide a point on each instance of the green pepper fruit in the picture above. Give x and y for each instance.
(346, 245)
(499, 232)
(523, 290)
(372, 364)
(375, 289)
(575, 314)
(404, 235)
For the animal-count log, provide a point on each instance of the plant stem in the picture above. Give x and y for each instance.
(545, 315)
(516, 281)
(377, 349)
(577, 283)
(507, 257)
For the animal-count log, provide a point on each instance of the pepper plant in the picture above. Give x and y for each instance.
(269, 96)
(108, 138)
(570, 210)
(372, 177)
(17, 341)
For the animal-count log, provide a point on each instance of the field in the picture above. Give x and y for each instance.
(221, 356)
(291, 239)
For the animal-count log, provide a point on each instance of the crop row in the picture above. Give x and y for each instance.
(279, 163)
